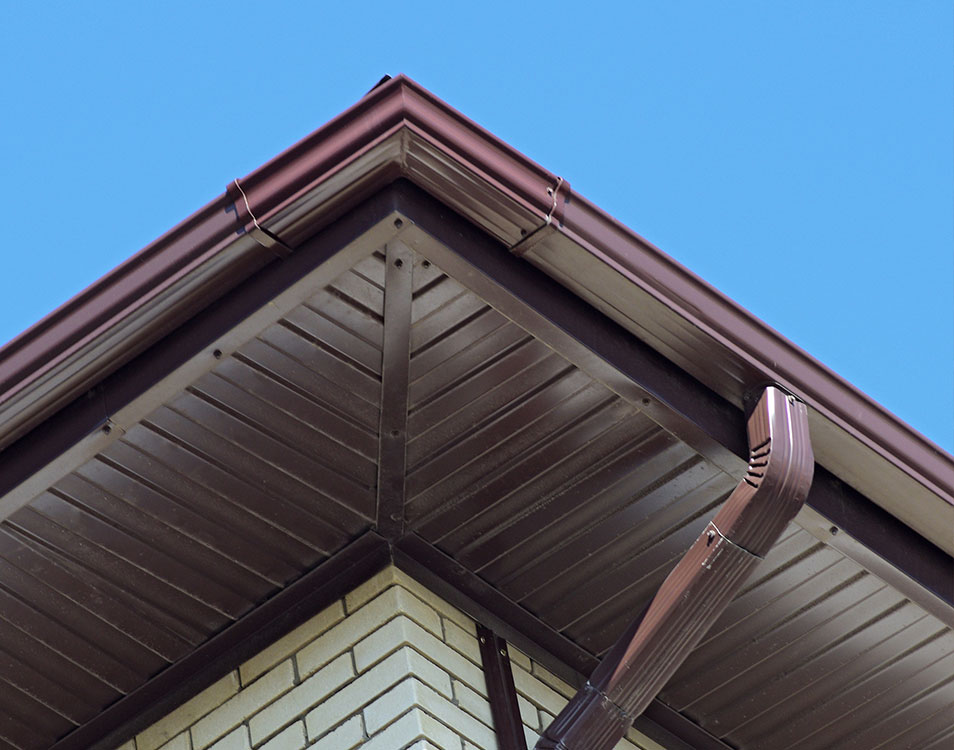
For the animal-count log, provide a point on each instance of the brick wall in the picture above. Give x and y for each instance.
(391, 666)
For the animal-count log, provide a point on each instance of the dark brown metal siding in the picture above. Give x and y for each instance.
(250, 477)
(818, 653)
(566, 499)
(576, 506)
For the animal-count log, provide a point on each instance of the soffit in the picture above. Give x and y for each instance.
(531, 464)
(400, 129)
(223, 412)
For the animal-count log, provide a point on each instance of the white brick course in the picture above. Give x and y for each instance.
(295, 702)
(179, 742)
(289, 644)
(393, 577)
(473, 703)
(237, 739)
(290, 738)
(389, 667)
(412, 692)
(363, 622)
(345, 737)
(405, 661)
(402, 631)
(188, 713)
(459, 639)
(414, 725)
(243, 705)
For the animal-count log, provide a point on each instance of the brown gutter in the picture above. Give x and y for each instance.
(434, 145)
(443, 152)
(400, 129)
(700, 587)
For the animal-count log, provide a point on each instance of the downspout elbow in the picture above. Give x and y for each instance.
(696, 592)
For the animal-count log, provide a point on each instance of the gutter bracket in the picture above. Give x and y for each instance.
(701, 585)
(255, 230)
(553, 216)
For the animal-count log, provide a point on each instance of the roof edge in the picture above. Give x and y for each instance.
(400, 129)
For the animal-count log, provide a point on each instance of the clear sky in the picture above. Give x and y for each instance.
(812, 137)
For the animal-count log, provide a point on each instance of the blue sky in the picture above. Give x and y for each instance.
(811, 139)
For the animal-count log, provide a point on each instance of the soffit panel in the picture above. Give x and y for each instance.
(523, 465)
(239, 484)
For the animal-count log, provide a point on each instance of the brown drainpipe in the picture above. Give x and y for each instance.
(701, 586)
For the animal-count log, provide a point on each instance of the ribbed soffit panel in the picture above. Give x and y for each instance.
(529, 473)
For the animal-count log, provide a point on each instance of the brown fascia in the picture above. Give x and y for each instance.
(701, 585)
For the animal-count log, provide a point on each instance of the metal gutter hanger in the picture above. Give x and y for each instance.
(700, 587)
(256, 231)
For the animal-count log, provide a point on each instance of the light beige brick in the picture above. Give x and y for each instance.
(289, 644)
(291, 738)
(411, 692)
(528, 713)
(462, 641)
(414, 725)
(244, 704)
(298, 700)
(530, 736)
(473, 703)
(237, 739)
(370, 589)
(425, 745)
(188, 713)
(402, 631)
(537, 692)
(368, 686)
(366, 620)
(446, 610)
(545, 675)
(345, 737)
(518, 657)
(128, 745)
(179, 742)
(391, 576)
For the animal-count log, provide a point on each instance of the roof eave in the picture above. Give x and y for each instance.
(399, 129)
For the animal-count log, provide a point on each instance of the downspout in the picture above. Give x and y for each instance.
(701, 586)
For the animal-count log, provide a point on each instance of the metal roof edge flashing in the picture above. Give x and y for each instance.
(701, 585)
